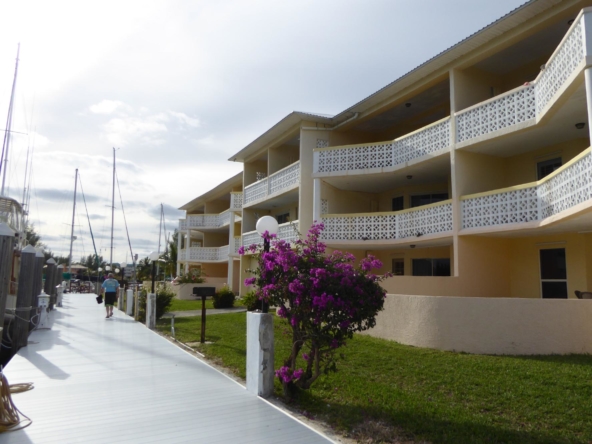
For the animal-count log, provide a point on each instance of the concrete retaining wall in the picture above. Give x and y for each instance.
(488, 325)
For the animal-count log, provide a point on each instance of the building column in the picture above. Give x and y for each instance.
(588, 83)
(179, 245)
(230, 277)
(316, 200)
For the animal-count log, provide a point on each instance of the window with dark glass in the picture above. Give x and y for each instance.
(553, 273)
(426, 199)
(431, 267)
(283, 218)
(397, 204)
(398, 267)
(546, 167)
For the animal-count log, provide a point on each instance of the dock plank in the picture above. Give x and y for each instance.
(112, 380)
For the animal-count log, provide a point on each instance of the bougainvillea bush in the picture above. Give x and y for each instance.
(324, 297)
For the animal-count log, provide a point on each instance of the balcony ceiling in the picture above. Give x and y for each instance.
(434, 170)
(418, 112)
(559, 128)
(395, 244)
(537, 46)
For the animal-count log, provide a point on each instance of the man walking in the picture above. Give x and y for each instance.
(110, 287)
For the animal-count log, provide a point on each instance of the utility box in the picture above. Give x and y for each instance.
(43, 308)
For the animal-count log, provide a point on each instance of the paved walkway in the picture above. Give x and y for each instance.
(112, 380)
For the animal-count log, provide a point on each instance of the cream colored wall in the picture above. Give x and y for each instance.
(250, 218)
(236, 277)
(344, 202)
(286, 209)
(251, 169)
(525, 73)
(522, 168)
(282, 156)
(216, 206)
(476, 173)
(215, 239)
(215, 270)
(524, 261)
(487, 325)
(472, 86)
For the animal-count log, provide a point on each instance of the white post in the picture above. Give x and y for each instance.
(120, 299)
(316, 200)
(179, 247)
(230, 274)
(129, 306)
(151, 311)
(260, 354)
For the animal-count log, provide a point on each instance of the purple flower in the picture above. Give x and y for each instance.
(241, 250)
(250, 281)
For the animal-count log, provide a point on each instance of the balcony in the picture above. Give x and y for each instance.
(516, 109)
(277, 183)
(287, 232)
(207, 254)
(237, 243)
(383, 156)
(561, 190)
(529, 102)
(430, 219)
(205, 221)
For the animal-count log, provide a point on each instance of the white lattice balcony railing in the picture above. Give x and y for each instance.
(369, 156)
(236, 201)
(529, 101)
(428, 219)
(287, 232)
(283, 180)
(565, 188)
(513, 107)
(208, 254)
(182, 255)
(197, 221)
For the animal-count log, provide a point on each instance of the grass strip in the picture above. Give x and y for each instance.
(385, 391)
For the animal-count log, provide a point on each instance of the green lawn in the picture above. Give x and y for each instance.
(181, 305)
(384, 389)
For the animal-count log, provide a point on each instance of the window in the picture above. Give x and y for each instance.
(397, 203)
(426, 199)
(283, 218)
(398, 267)
(547, 167)
(431, 267)
(553, 274)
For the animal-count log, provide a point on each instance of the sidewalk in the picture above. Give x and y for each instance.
(112, 380)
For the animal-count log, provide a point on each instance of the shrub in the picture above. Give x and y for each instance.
(251, 301)
(193, 277)
(224, 298)
(164, 298)
(325, 299)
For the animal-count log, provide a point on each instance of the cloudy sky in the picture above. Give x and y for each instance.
(178, 86)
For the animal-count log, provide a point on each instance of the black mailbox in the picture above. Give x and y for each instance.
(204, 291)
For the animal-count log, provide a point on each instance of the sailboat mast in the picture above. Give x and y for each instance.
(73, 216)
(3, 165)
(159, 236)
(112, 210)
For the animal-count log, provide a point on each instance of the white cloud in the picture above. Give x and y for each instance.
(207, 141)
(122, 131)
(108, 107)
(185, 119)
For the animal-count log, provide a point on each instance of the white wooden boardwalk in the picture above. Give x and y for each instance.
(112, 380)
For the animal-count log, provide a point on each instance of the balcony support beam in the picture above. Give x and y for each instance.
(588, 82)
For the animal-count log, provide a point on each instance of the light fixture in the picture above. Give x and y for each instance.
(267, 223)
(107, 268)
(580, 125)
(409, 177)
(408, 104)
(412, 246)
